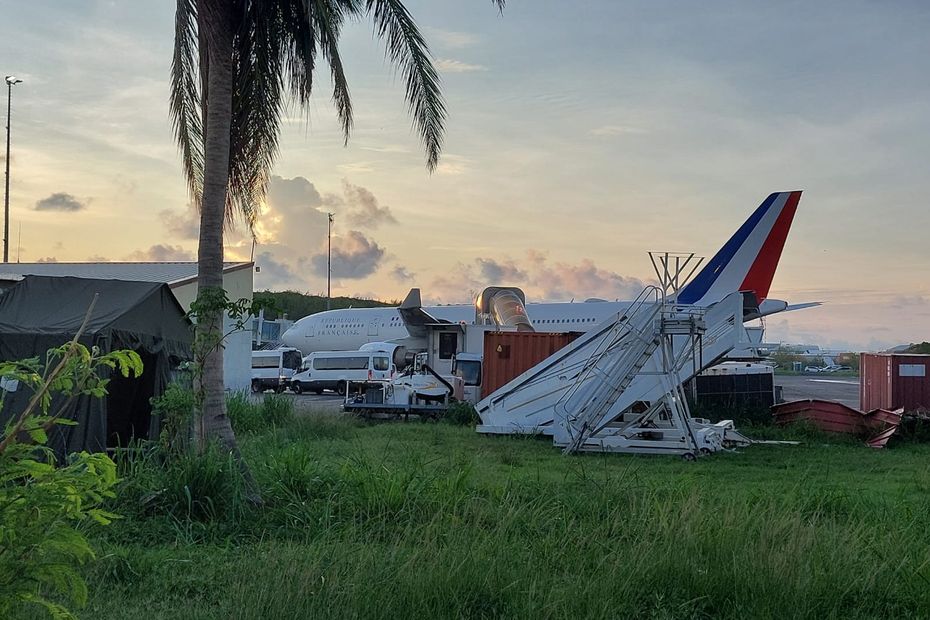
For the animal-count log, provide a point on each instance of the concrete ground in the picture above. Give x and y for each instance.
(794, 387)
(800, 387)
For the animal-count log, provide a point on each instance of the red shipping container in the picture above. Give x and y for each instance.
(507, 355)
(892, 381)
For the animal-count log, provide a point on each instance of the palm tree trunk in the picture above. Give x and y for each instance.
(214, 424)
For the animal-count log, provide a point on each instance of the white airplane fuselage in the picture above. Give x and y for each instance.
(348, 329)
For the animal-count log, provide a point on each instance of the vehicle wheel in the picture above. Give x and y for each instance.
(297, 387)
(256, 386)
(341, 388)
(688, 456)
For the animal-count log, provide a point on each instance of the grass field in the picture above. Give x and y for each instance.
(429, 520)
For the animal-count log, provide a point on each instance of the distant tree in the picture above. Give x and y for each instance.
(922, 348)
(236, 64)
(298, 305)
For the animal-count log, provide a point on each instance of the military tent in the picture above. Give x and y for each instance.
(42, 312)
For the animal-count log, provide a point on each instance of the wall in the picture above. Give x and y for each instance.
(237, 356)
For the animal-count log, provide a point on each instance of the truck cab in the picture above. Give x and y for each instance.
(467, 366)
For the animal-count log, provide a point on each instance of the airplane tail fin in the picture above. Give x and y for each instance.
(747, 262)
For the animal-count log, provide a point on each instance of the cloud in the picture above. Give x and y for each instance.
(402, 274)
(451, 39)
(47, 259)
(493, 271)
(452, 165)
(161, 253)
(182, 225)
(361, 207)
(539, 279)
(273, 273)
(450, 65)
(297, 192)
(292, 228)
(354, 257)
(60, 201)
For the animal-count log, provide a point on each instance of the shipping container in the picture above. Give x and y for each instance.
(893, 381)
(733, 386)
(507, 355)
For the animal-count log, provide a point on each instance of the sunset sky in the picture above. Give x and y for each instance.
(580, 136)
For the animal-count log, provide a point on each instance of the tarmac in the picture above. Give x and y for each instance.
(802, 387)
(794, 387)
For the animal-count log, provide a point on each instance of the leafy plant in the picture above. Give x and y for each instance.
(461, 413)
(175, 407)
(245, 415)
(41, 505)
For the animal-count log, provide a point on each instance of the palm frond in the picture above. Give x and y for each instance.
(325, 19)
(407, 49)
(185, 98)
(256, 107)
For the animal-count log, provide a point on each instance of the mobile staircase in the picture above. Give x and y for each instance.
(619, 387)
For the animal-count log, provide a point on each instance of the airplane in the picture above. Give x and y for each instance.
(745, 263)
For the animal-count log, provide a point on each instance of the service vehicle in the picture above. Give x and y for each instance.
(273, 369)
(342, 371)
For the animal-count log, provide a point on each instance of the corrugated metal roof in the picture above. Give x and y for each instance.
(835, 417)
(170, 273)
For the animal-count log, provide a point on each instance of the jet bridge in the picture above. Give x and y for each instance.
(619, 387)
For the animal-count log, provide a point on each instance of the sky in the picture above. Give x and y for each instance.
(580, 136)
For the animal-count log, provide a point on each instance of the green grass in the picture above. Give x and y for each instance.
(431, 520)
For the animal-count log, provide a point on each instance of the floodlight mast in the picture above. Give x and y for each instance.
(10, 81)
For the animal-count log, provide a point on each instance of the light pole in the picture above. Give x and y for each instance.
(329, 259)
(10, 80)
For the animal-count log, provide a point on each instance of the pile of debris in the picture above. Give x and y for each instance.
(878, 425)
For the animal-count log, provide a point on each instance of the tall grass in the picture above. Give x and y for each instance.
(249, 416)
(431, 521)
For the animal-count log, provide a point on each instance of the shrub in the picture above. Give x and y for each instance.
(461, 413)
(175, 409)
(43, 506)
(244, 415)
(199, 487)
(248, 416)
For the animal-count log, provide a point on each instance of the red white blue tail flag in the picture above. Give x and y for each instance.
(748, 260)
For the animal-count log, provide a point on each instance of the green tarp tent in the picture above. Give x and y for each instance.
(42, 312)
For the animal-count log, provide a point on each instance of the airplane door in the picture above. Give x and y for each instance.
(373, 327)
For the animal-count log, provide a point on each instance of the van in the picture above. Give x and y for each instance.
(342, 370)
(273, 369)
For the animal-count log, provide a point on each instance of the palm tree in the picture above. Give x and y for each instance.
(235, 65)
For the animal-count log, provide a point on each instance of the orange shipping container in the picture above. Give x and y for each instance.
(507, 355)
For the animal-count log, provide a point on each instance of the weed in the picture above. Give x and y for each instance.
(277, 410)
(461, 413)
